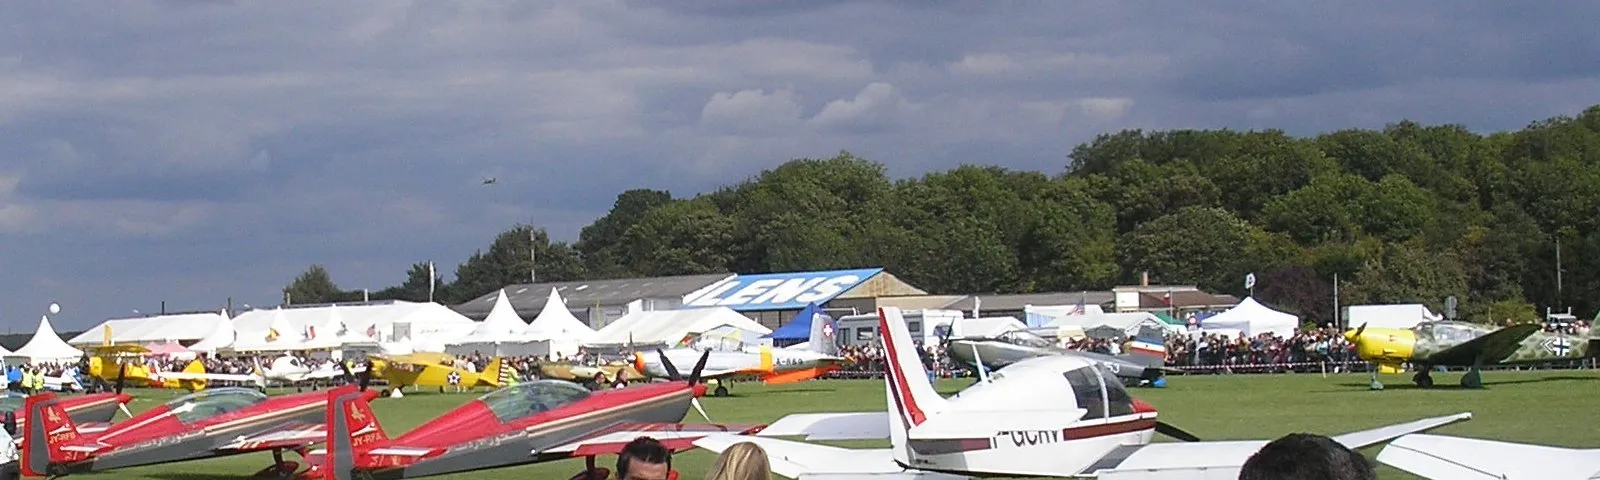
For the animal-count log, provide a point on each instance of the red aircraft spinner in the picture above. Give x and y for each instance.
(532, 422)
(205, 424)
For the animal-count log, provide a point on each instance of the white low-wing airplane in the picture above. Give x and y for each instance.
(284, 369)
(818, 356)
(1056, 416)
(1441, 457)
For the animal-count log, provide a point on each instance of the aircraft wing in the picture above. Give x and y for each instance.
(1441, 457)
(1222, 459)
(1494, 346)
(210, 377)
(831, 426)
(295, 434)
(675, 436)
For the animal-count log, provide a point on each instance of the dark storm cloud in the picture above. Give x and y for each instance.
(191, 151)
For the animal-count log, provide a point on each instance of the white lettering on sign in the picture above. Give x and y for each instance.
(750, 292)
(776, 291)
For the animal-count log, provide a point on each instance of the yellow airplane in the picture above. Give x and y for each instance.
(584, 373)
(1460, 344)
(105, 361)
(437, 370)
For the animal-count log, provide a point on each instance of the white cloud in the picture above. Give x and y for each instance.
(877, 107)
(751, 111)
(1106, 108)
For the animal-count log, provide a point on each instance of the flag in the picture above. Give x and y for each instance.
(372, 331)
(272, 334)
(430, 280)
(107, 332)
(311, 332)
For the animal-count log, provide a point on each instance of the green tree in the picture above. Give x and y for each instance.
(1199, 245)
(599, 241)
(681, 238)
(508, 262)
(314, 285)
(415, 288)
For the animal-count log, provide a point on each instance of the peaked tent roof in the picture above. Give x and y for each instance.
(46, 345)
(672, 326)
(798, 328)
(219, 338)
(280, 335)
(502, 325)
(1253, 318)
(555, 322)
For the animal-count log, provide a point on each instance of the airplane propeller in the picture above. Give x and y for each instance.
(694, 377)
(1167, 429)
(122, 380)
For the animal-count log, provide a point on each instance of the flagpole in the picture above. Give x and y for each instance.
(430, 281)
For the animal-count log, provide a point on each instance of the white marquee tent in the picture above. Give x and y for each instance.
(669, 327)
(1251, 318)
(154, 329)
(47, 346)
(558, 327)
(500, 333)
(389, 323)
(279, 334)
(220, 337)
(1129, 322)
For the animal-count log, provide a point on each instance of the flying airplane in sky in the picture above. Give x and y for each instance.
(1145, 364)
(1459, 344)
(206, 424)
(818, 356)
(1052, 416)
(532, 422)
(1438, 457)
(285, 369)
(489, 180)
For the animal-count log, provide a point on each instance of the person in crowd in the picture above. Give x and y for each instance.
(621, 381)
(1306, 456)
(644, 458)
(742, 461)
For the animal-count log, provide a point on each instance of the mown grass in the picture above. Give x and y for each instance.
(1547, 407)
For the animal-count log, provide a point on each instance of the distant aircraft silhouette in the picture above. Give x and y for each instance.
(489, 180)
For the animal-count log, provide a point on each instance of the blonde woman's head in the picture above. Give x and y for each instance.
(742, 461)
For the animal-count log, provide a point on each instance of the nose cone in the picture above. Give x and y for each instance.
(369, 395)
(1141, 406)
(699, 390)
(1352, 335)
(124, 398)
(638, 362)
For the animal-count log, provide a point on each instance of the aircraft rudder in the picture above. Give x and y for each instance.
(346, 407)
(822, 339)
(198, 367)
(49, 425)
(911, 392)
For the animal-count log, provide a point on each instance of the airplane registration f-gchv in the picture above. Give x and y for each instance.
(205, 424)
(531, 422)
(1047, 416)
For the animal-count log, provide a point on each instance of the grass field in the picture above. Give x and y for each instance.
(1548, 407)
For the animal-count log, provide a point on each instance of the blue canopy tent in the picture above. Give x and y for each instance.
(798, 330)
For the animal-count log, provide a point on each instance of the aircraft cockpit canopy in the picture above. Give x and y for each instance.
(11, 401)
(1099, 391)
(212, 402)
(527, 399)
(1448, 332)
(1024, 338)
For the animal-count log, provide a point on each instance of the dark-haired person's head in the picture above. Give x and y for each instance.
(644, 458)
(1305, 456)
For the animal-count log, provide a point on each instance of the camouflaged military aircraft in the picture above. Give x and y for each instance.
(1459, 344)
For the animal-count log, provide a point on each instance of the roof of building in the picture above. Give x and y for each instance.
(1017, 301)
(529, 299)
(1186, 299)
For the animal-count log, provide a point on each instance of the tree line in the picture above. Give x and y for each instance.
(1409, 213)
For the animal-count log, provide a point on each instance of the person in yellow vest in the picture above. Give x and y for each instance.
(38, 381)
(27, 380)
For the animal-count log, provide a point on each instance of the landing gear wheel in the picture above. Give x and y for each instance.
(721, 391)
(284, 469)
(1423, 379)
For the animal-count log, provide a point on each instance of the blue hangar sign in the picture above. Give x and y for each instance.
(780, 291)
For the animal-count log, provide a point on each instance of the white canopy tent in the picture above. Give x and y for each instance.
(154, 329)
(220, 337)
(390, 323)
(279, 335)
(1251, 318)
(501, 333)
(47, 346)
(1129, 322)
(561, 331)
(670, 327)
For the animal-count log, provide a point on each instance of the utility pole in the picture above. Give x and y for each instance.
(1558, 268)
(533, 255)
(1337, 321)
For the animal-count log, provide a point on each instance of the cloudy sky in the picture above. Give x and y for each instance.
(192, 151)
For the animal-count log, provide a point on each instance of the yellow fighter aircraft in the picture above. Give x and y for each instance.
(437, 370)
(105, 363)
(583, 373)
(1460, 344)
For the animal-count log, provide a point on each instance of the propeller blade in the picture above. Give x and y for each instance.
(349, 378)
(124, 408)
(1166, 429)
(694, 376)
(696, 402)
(122, 378)
(672, 370)
(366, 376)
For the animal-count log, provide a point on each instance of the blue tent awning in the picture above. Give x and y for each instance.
(798, 328)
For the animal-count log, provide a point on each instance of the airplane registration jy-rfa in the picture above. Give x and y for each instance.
(1058, 416)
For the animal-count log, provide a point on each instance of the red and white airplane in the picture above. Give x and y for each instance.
(1055, 416)
(1440, 457)
(92, 413)
(521, 424)
(205, 424)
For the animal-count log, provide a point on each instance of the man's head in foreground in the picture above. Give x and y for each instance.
(1305, 456)
(644, 458)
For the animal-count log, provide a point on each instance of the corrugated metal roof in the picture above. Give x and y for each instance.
(1016, 301)
(529, 299)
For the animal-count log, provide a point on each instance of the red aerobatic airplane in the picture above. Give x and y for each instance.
(205, 424)
(92, 413)
(532, 422)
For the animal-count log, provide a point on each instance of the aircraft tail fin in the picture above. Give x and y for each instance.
(197, 383)
(1148, 348)
(352, 427)
(493, 374)
(48, 425)
(911, 397)
(822, 338)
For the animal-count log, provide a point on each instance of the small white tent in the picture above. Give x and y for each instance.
(280, 335)
(155, 329)
(670, 327)
(1251, 318)
(220, 337)
(558, 327)
(47, 346)
(501, 333)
